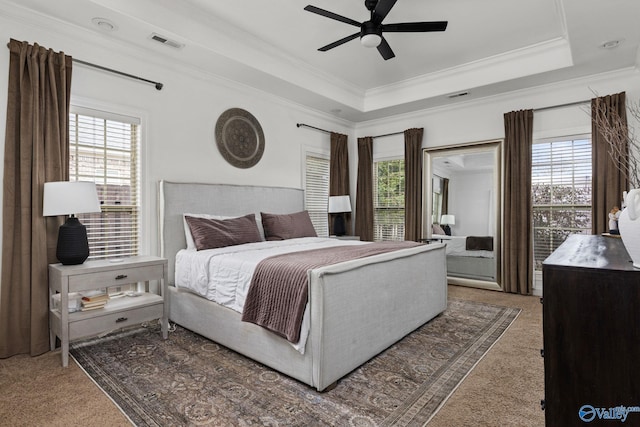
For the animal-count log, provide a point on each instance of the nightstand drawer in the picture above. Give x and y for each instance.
(112, 321)
(115, 277)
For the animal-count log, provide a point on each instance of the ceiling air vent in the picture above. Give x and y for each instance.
(457, 95)
(166, 41)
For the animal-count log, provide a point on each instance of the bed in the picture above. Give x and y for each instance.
(356, 309)
(469, 257)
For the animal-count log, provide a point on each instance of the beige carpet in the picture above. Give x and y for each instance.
(505, 388)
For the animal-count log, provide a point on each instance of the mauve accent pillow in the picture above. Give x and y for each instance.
(211, 233)
(287, 226)
(436, 229)
(187, 231)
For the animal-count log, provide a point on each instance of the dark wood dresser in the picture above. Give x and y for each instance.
(591, 326)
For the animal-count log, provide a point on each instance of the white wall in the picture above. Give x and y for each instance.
(482, 120)
(178, 140)
(471, 201)
(178, 122)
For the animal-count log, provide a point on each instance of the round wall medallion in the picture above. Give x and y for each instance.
(239, 138)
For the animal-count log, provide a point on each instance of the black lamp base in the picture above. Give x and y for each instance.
(338, 225)
(73, 246)
(446, 229)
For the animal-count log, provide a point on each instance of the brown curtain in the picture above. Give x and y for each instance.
(518, 252)
(36, 151)
(445, 197)
(339, 174)
(413, 184)
(364, 190)
(608, 181)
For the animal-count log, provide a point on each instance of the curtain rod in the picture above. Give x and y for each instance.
(131, 76)
(312, 127)
(388, 134)
(568, 104)
(110, 70)
(328, 131)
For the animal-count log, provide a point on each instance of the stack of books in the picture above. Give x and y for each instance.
(92, 301)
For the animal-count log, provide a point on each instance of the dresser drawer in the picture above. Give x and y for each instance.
(115, 277)
(114, 320)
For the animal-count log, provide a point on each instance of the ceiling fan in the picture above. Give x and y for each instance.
(371, 31)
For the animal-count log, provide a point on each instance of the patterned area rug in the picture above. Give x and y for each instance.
(189, 380)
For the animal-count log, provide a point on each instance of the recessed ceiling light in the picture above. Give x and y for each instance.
(611, 44)
(104, 24)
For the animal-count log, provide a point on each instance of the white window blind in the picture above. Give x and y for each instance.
(561, 192)
(388, 190)
(103, 148)
(316, 192)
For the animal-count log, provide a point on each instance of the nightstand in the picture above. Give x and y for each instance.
(345, 237)
(432, 239)
(119, 312)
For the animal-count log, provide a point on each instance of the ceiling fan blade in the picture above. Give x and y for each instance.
(331, 15)
(418, 27)
(382, 10)
(385, 50)
(339, 42)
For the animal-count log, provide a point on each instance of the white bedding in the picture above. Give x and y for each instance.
(457, 246)
(224, 274)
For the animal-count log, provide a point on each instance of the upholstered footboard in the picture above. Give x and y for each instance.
(358, 308)
(365, 306)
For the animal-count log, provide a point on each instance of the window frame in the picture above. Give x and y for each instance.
(377, 236)
(537, 265)
(127, 115)
(325, 155)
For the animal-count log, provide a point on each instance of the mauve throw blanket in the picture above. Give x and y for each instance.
(278, 292)
(479, 243)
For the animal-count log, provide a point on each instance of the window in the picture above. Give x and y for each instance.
(561, 192)
(103, 148)
(388, 190)
(316, 194)
(437, 199)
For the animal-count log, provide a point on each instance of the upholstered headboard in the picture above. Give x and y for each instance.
(177, 198)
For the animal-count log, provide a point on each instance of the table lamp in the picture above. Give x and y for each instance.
(71, 198)
(339, 205)
(446, 221)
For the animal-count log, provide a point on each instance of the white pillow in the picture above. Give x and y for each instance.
(187, 231)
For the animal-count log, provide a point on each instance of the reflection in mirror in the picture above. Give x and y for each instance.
(462, 210)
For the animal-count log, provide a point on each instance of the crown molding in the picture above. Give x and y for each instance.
(535, 59)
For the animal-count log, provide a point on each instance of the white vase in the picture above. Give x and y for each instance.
(629, 225)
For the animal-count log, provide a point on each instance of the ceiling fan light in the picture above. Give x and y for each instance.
(371, 40)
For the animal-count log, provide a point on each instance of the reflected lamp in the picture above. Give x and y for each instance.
(338, 205)
(446, 221)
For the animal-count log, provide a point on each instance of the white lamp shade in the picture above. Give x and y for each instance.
(339, 204)
(448, 220)
(67, 197)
